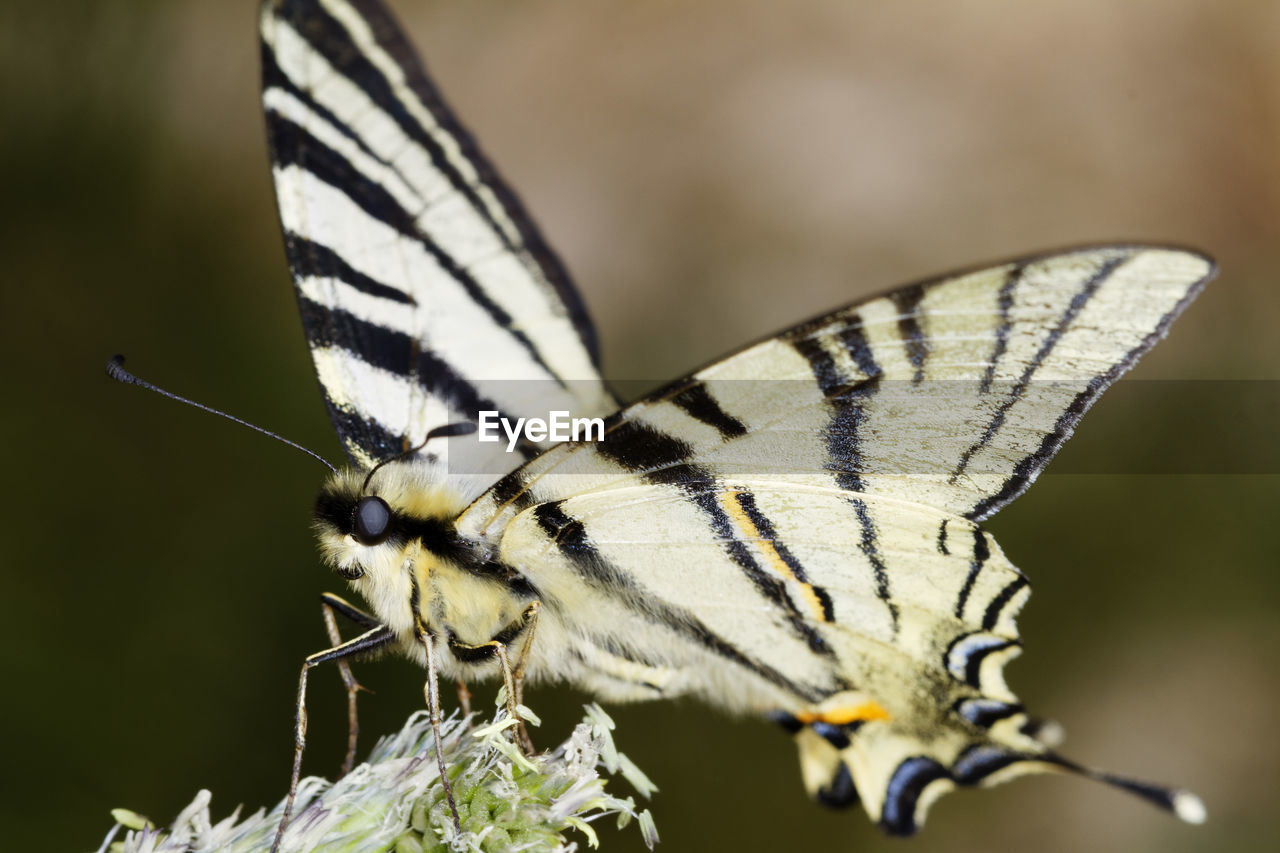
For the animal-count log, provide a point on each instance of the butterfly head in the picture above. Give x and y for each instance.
(371, 527)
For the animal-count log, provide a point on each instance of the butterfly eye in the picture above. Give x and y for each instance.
(372, 520)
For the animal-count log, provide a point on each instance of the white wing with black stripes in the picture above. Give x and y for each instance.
(953, 393)
(426, 293)
(792, 529)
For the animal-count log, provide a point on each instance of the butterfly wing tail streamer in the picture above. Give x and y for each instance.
(948, 727)
(899, 801)
(925, 708)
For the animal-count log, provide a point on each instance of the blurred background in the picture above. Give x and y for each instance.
(710, 172)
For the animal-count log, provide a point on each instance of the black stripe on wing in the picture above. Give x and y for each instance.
(984, 712)
(275, 78)
(569, 535)
(331, 39)
(747, 501)
(292, 145)
(362, 435)
(845, 396)
(639, 447)
(395, 353)
(697, 402)
(966, 654)
(644, 449)
(660, 459)
(1029, 467)
(981, 552)
(901, 813)
(907, 301)
(770, 587)
(871, 550)
(998, 604)
(906, 786)
(1004, 304)
(1077, 304)
(323, 262)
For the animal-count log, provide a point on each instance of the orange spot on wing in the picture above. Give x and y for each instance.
(864, 713)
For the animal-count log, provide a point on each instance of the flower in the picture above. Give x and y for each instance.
(395, 800)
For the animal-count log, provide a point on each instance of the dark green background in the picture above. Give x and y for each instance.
(711, 173)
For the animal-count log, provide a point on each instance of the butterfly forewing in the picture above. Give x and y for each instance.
(954, 393)
(426, 293)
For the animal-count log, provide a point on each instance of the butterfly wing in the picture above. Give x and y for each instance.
(839, 613)
(426, 293)
(954, 393)
(793, 528)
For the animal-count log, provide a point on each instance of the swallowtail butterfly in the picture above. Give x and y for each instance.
(791, 531)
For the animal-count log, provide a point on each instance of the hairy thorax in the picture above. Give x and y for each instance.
(393, 537)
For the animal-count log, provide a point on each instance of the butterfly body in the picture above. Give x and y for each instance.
(792, 530)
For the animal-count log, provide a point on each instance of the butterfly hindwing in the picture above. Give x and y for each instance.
(836, 612)
(427, 294)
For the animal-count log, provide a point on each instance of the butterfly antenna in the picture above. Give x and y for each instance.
(115, 369)
(444, 431)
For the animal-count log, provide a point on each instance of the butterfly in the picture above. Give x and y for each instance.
(792, 531)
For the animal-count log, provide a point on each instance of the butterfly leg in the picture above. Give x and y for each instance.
(513, 712)
(531, 616)
(433, 704)
(499, 650)
(368, 641)
(512, 680)
(329, 605)
(464, 696)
